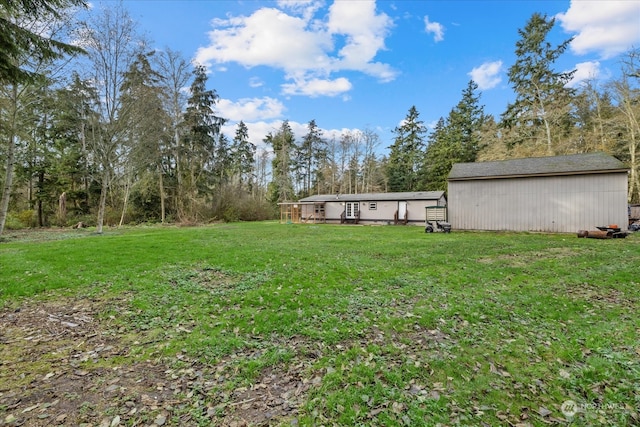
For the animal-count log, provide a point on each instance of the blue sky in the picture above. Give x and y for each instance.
(356, 64)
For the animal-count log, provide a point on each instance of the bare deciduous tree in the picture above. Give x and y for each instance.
(626, 92)
(175, 73)
(112, 43)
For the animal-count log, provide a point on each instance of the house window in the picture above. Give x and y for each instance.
(373, 206)
(351, 210)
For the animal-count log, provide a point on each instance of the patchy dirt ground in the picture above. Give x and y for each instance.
(63, 363)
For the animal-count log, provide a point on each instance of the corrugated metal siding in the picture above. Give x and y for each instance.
(553, 204)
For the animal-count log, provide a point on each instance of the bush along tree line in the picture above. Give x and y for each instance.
(121, 142)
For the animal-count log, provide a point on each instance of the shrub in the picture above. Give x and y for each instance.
(27, 218)
(13, 223)
(230, 214)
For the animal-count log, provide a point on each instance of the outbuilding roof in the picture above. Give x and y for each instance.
(574, 164)
(413, 195)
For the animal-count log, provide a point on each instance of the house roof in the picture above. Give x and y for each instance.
(574, 164)
(414, 195)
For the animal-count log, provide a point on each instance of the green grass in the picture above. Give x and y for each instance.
(392, 326)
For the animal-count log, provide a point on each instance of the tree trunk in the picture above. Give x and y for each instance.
(103, 201)
(8, 182)
(62, 208)
(85, 159)
(163, 197)
(628, 108)
(11, 159)
(179, 191)
(547, 127)
(124, 204)
(634, 179)
(41, 219)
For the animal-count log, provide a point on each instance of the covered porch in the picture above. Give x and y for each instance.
(302, 212)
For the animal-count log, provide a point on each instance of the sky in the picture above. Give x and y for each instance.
(358, 64)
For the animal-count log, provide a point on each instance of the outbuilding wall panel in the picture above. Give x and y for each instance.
(552, 204)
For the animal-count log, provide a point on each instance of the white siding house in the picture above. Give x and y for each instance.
(365, 208)
(552, 194)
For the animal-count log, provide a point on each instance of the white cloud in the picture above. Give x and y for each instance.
(255, 82)
(487, 75)
(607, 27)
(300, 45)
(256, 130)
(317, 87)
(298, 4)
(585, 71)
(432, 124)
(306, 8)
(365, 32)
(250, 109)
(260, 129)
(337, 134)
(268, 37)
(434, 28)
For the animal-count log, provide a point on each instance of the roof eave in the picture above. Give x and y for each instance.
(587, 172)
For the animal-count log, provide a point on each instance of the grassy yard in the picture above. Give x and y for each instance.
(270, 324)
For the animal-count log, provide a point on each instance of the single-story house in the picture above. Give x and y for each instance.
(366, 208)
(551, 194)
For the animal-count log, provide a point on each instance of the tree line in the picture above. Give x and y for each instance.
(103, 132)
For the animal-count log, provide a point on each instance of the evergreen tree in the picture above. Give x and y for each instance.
(112, 42)
(28, 50)
(243, 152)
(174, 72)
(541, 113)
(310, 153)
(440, 150)
(75, 117)
(466, 121)
(223, 162)
(327, 173)
(148, 139)
(34, 159)
(19, 41)
(456, 139)
(283, 144)
(198, 145)
(406, 153)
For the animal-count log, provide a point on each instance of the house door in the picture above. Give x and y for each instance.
(402, 210)
(351, 210)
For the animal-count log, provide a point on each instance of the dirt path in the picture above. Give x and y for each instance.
(63, 363)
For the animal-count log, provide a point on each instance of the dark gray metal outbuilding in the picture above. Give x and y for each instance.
(552, 194)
